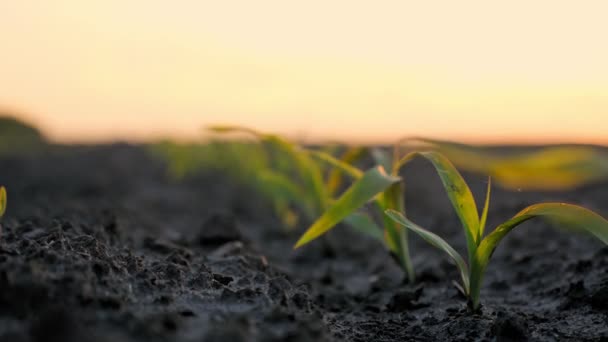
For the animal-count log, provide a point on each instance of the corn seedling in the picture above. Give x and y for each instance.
(480, 249)
(317, 195)
(386, 193)
(384, 190)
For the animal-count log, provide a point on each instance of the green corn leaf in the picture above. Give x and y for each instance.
(460, 195)
(348, 159)
(435, 241)
(363, 223)
(549, 168)
(373, 182)
(567, 215)
(484, 215)
(2, 201)
(457, 190)
(342, 166)
(399, 163)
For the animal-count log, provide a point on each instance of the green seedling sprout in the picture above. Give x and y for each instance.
(318, 196)
(387, 194)
(384, 189)
(480, 248)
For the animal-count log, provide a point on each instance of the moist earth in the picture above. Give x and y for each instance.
(99, 244)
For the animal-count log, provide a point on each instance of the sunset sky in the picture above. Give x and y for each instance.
(480, 71)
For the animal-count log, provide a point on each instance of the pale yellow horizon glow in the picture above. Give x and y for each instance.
(478, 71)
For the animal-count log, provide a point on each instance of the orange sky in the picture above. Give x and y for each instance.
(368, 70)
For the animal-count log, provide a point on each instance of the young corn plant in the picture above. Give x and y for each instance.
(384, 190)
(318, 196)
(480, 248)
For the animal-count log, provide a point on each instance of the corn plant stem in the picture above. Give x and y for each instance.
(403, 235)
(399, 201)
(398, 244)
(475, 279)
(397, 238)
(407, 260)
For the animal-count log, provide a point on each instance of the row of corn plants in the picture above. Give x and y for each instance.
(383, 188)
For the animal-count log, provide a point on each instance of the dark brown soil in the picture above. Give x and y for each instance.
(99, 245)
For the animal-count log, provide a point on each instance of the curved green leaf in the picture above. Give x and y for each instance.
(548, 168)
(566, 215)
(435, 241)
(373, 182)
(340, 165)
(2, 201)
(348, 158)
(484, 216)
(399, 163)
(458, 192)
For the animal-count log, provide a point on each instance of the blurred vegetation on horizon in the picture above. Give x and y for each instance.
(18, 137)
(550, 167)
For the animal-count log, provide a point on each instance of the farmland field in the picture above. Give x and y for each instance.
(100, 244)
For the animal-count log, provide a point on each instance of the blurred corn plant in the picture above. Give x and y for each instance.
(544, 168)
(244, 162)
(315, 177)
(286, 174)
(293, 175)
(299, 186)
